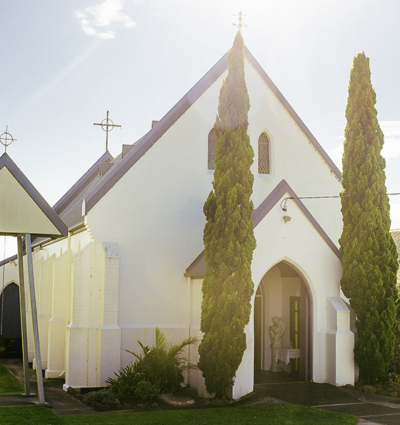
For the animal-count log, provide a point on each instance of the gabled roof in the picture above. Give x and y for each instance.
(69, 207)
(62, 203)
(177, 111)
(198, 268)
(22, 209)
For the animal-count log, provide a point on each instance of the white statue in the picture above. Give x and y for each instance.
(276, 331)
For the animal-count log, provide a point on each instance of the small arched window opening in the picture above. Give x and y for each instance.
(263, 154)
(212, 148)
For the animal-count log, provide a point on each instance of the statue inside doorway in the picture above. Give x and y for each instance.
(276, 331)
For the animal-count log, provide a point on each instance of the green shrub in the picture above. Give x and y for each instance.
(162, 364)
(126, 381)
(158, 368)
(146, 391)
(123, 385)
(101, 400)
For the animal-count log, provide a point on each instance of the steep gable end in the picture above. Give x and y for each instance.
(147, 141)
(292, 113)
(198, 268)
(22, 209)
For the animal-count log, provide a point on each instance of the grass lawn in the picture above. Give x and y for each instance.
(272, 414)
(8, 383)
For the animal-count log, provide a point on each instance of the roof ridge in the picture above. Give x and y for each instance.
(68, 197)
(294, 115)
(147, 141)
(150, 138)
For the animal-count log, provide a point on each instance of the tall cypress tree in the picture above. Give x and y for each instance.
(369, 257)
(228, 234)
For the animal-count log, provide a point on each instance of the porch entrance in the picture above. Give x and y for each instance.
(10, 323)
(282, 294)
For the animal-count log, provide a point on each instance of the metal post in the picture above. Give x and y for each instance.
(23, 317)
(107, 133)
(35, 321)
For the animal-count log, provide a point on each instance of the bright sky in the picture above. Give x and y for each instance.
(64, 64)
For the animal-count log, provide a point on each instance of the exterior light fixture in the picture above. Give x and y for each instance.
(286, 218)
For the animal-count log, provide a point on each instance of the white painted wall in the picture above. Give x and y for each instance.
(59, 316)
(156, 208)
(154, 216)
(298, 243)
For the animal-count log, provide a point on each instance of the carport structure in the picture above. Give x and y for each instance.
(25, 214)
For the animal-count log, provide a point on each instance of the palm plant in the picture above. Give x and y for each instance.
(163, 364)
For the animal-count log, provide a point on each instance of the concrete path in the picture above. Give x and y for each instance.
(61, 402)
(370, 409)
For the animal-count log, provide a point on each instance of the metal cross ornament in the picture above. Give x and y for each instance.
(6, 139)
(107, 125)
(240, 24)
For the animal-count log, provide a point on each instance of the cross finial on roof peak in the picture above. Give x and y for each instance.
(6, 139)
(107, 125)
(240, 24)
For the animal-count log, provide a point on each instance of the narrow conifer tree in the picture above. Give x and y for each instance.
(228, 234)
(369, 257)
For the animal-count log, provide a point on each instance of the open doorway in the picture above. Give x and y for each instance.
(282, 295)
(10, 323)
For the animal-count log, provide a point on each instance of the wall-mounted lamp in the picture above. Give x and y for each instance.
(286, 218)
(284, 202)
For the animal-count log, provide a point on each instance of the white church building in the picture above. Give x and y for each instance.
(133, 259)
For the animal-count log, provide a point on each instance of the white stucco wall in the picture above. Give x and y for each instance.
(156, 208)
(154, 215)
(300, 245)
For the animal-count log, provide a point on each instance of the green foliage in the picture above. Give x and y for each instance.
(146, 391)
(394, 385)
(125, 382)
(30, 415)
(162, 364)
(369, 257)
(158, 368)
(8, 383)
(277, 414)
(228, 234)
(101, 400)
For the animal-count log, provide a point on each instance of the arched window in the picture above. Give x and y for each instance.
(212, 148)
(263, 154)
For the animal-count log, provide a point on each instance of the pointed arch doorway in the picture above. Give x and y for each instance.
(283, 293)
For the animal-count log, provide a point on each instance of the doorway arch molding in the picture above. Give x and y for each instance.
(302, 273)
(8, 284)
(309, 320)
